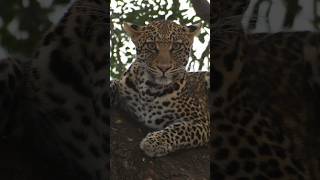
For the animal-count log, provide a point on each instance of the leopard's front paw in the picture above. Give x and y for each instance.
(155, 145)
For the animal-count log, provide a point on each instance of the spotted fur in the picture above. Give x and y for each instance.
(160, 93)
(261, 101)
(59, 97)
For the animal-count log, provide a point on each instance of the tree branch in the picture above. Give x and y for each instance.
(202, 9)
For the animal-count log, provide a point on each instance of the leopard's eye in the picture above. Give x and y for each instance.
(151, 45)
(176, 46)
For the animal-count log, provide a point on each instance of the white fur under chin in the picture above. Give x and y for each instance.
(159, 80)
(163, 81)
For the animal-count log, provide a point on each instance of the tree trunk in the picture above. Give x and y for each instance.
(130, 163)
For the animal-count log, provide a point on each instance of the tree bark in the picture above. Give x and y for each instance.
(130, 163)
(202, 9)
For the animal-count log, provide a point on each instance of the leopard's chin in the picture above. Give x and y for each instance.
(159, 79)
(164, 81)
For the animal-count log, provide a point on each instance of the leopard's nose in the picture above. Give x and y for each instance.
(164, 67)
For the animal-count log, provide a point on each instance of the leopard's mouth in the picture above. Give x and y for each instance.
(160, 78)
(165, 78)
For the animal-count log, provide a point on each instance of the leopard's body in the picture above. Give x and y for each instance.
(265, 94)
(160, 93)
(58, 98)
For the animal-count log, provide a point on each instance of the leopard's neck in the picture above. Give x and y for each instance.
(140, 81)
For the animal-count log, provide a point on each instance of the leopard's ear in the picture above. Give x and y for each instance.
(194, 30)
(133, 30)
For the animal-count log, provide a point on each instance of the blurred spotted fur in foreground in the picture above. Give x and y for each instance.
(56, 103)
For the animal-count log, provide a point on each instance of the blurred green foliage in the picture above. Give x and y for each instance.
(33, 19)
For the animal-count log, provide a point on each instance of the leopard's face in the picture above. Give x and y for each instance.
(163, 48)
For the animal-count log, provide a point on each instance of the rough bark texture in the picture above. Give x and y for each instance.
(202, 9)
(128, 162)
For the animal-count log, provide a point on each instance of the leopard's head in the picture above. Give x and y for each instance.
(163, 48)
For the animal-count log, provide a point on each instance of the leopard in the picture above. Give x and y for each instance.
(264, 100)
(55, 106)
(159, 92)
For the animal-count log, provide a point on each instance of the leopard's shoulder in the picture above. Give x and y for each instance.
(197, 84)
